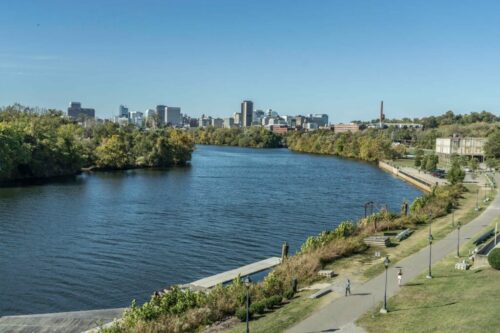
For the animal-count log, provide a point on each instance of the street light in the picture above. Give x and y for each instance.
(429, 276)
(386, 264)
(247, 282)
(458, 238)
(477, 200)
(452, 217)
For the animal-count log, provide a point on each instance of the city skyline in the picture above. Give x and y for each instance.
(335, 58)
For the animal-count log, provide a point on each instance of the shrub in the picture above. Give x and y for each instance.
(289, 294)
(273, 301)
(258, 307)
(241, 313)
(494, 258)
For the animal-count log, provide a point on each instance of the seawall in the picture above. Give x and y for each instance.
(420, 183)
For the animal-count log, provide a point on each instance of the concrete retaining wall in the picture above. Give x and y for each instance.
(406, 177)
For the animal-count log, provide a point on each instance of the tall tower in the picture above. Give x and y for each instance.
(382, 115)
(246, 113)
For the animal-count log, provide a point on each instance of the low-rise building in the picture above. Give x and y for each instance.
(343, 128)
(463, 146)
(279, 129)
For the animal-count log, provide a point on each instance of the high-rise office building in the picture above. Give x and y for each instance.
(160, 111)
(123, 111)
(246, 113)
(173, 116)
(76, 111)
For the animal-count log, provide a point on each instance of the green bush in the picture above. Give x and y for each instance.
(289, 294)
(258, 307)
(241, 313)
(494, 258)
(272, 301)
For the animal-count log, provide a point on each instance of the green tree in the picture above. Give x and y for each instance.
(455, 174)
(492, 145)
(419, 154)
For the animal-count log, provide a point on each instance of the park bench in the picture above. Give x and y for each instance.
(404, 234)
(377, 241)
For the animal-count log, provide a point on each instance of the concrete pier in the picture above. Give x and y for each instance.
(256, 267)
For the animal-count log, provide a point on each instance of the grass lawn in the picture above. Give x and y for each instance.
(285, 316)
(454, 301)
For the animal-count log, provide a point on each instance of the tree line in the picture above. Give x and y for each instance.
(257, 137)
(370, 145)
(42, 144)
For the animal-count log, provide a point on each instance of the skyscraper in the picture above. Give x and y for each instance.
(246, 113)
(173, 116)
(123, 111)
(160, 111)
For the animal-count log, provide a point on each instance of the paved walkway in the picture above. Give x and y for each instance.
(342, 312)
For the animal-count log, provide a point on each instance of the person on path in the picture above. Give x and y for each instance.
(400, 277)
(348, 287)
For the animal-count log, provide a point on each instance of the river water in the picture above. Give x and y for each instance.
(99, 240)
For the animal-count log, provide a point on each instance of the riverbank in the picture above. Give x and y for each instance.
(360, 268)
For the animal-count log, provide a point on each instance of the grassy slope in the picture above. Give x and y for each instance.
(454, 301)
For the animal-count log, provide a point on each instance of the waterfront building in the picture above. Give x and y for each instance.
(76, 111)
(463, 146)
(173, 116)
(217, 122)
(160, 111)
(246, 113)
(343, 128)
(229, 122)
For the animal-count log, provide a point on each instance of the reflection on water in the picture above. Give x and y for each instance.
(100, 239)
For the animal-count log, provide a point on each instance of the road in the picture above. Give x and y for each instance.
(342, 312)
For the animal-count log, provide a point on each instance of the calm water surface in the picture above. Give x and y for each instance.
(102, 239)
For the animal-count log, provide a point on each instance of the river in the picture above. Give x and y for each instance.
(100, 239)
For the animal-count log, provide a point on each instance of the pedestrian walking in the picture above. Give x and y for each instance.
(348, 287)
(400, 277)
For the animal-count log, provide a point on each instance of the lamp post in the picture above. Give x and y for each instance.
(247, 282)
(452, 218)
(386, 264)
(458, 238)
(477, 200)
(429, 276)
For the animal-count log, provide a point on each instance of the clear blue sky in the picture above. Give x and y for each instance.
(297, 57)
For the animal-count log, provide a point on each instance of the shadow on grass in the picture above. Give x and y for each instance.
(360, 294)
(424, 307)
(412, 284)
